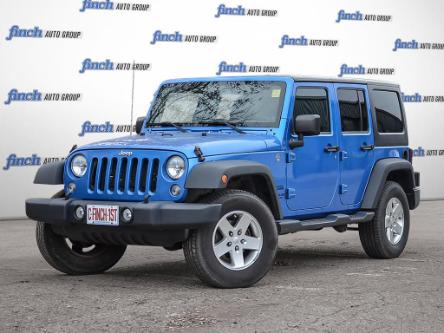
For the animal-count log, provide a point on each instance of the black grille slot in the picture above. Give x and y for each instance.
(143, 175)
(112, 175)
(133, 173)
(122, 174)
(102, 174)
(92, 177)
(154, 173)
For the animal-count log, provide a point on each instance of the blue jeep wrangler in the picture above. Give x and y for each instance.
(221, 166)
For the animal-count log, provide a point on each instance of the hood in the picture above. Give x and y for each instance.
(211, 143)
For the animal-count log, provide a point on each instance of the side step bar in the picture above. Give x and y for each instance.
(333, 220)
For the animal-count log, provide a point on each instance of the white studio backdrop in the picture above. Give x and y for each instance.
(66, 63)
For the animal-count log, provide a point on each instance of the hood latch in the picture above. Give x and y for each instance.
(199, 154)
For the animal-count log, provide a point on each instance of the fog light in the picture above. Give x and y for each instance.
(175, 190)
(127, 215)
(70, 188)
(79, 212)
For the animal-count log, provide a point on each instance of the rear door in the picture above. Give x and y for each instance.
(356, 155)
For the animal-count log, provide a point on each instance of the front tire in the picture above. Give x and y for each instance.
(75, 258)
(239, 249)
(386, 236)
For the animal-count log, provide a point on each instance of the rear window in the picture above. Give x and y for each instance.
(388, 111)
(353, 110)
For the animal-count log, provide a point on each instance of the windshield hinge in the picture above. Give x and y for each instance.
(290, 157)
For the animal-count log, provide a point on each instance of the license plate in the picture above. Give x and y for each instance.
(102, 215)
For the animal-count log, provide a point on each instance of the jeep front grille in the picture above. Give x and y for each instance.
(123, 175)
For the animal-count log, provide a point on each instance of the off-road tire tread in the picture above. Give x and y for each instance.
(372, 234)
(43, 230)
(41, 244)
(192, 255)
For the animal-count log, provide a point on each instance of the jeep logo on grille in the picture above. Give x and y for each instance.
(125, 153)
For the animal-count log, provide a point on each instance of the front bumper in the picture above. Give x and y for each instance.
(155, 215)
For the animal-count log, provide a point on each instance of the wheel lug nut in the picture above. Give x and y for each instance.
(230, 234)
(229, 244)
(236, 248)
(242, 241)
(239, 232)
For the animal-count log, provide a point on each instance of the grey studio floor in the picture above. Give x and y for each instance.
(321, 281)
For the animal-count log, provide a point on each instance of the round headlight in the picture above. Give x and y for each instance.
(79, 165)
(175, 167)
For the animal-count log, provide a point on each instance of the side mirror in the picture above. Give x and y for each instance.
(305, 124)
(139, 124)
(308, 124)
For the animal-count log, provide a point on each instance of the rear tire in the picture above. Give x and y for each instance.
(386, 236)
(75, 258)
(239, 249)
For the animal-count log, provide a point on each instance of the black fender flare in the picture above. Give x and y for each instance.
(50, 174)
(379, 175)
(208, 175)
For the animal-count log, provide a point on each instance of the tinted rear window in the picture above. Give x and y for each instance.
(388, 111)
(353, 110)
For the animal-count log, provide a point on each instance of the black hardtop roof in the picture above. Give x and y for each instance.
(296, 78)
(342, 80)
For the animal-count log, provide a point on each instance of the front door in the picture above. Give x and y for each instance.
(356, 142)
(313, 169)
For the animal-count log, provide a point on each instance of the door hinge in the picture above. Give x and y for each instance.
(343, 188)
(290, 157)
(290, 193)
(343, 155)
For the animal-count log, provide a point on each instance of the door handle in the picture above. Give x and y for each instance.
(366, 147)
(331, 149)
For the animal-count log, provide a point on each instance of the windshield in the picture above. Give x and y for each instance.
(244, 103)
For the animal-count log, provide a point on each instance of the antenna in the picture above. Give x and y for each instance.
(132, 98)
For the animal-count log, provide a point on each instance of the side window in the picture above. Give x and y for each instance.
(313, 101)
(354, 117)
(388, 112)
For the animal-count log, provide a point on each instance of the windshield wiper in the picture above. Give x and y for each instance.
(169, 123)
(231, 124)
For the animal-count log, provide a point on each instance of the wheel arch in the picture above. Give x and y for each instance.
(50, 174)
(244, 175)
(389, 169)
